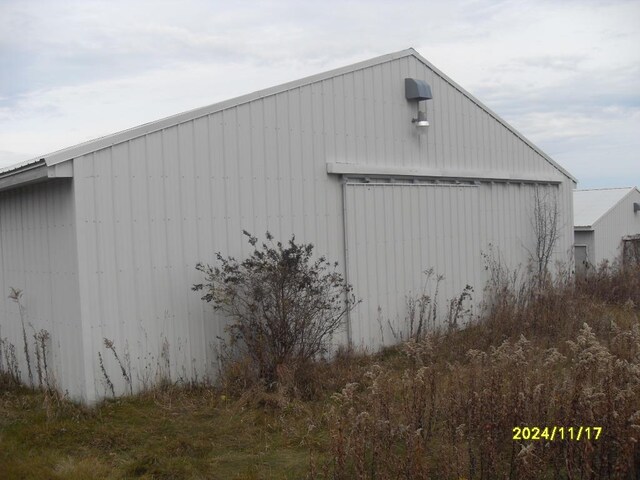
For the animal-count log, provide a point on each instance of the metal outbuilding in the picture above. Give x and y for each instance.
(606, 224)
(387, 176)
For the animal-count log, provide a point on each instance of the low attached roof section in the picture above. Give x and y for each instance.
(125, 135)
(33, 171)
(589, 206)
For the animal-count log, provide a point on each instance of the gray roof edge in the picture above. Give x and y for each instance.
(16, 167)
(157, 125)
(23, 174)
(631, 190)
(21, 167)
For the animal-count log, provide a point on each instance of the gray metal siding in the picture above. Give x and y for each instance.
(377, 129)
(38, 256)
(153, 207)
(615, 224)
(398, 231)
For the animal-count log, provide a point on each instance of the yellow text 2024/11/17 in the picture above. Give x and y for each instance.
(557, 433)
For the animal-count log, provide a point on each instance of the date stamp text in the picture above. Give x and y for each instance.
(551, 434)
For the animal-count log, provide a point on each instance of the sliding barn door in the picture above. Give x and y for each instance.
(395, 233)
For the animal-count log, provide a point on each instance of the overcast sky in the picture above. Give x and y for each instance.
(566, 74)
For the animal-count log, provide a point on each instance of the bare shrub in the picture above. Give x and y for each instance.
(45, 380)
(613, 283)
(284, 306)
(422, 310)
(546, 230)
(106, 378)
(459, 308)
(164, 368)
(38, 358)
(125, 367)
(15, 294)
(9, 369)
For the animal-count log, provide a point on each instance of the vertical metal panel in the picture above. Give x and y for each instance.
(190, 191)
(295, 177)
(408, 139)
(327, 114)
(194, 346)
(385, 100)
(304, 158)
(259, 168)
(123, 275)
(460, 156)
(38, 256)
(141, 239)
(318, 106)
(374, 89)
(339, 119)
(390, 224)
(351, 121)
(445, 105)
(244, 149)
(367, 112)
(202, 171)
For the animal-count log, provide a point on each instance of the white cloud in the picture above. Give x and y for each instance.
(51, 119)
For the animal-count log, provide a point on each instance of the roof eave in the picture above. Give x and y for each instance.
(34, 172)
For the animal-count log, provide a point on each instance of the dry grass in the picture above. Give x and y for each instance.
(442, 406)
(170, 433)
(562, 354)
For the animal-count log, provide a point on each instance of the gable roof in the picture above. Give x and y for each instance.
(129, 134)
(589, 206)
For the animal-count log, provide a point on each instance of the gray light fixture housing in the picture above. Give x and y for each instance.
(416, 91)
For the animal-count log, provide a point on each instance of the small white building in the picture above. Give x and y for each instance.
(606, 224)
(387, 166)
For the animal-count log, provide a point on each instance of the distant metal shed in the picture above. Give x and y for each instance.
(103, 237)
(605, 220)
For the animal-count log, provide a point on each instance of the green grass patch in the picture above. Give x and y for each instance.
(177, 434)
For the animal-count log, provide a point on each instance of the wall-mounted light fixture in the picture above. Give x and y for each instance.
(421, 121)
(416, 91)
(636, 207)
